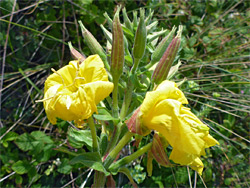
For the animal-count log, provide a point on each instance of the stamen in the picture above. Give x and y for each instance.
(44, 99)
(54, 71)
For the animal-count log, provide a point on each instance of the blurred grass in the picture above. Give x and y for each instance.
(215, 60)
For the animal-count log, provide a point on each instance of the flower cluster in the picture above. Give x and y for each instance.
(162, 110)
(72, 92)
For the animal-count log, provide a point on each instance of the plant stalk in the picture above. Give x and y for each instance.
(93, 134)
(128, 159)
(113, 154)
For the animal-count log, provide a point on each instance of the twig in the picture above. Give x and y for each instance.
(7, 176)
(77, 30)
(4, 57)
(28, 7)
(83, 185)
(189, 178)
(63, 32)
(76, 178)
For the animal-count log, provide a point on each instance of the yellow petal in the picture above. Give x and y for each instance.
(166, 90)
(98, 90)
(166, 119)
(92, 69)
(187, 159)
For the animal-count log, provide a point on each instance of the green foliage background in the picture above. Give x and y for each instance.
(215, 60)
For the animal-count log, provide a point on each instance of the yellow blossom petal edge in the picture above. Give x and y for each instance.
(72, 92)
(162, 110)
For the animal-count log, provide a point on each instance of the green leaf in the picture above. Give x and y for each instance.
(10, 136)
(64, 167)
(21, 167)
(18, 179)
(41, 136)
(45, 154)
(127, 31)
(91, 160)
(78, 138)
(33, 175)
(66, 150)
(26, 142)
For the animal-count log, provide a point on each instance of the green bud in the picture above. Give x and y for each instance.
(161, 47)
(150, 15)
(109, 20)
(151, 26)
(127, 21)
(75, 54)
(173, 70)
(161, 71)
(117, 53)
(140, 38)
(155, 35)
(93, 44)
(135, 21)
(106, 33)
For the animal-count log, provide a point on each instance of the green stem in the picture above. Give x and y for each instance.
(136, 63)
(127, 99)
(113, 154)
(128, 159)
(148, 66)
(115, 136)
(93, 134)
(115, 98)
(99, 179)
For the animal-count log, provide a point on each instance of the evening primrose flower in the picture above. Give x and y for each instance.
(72, 92)
(162, 110)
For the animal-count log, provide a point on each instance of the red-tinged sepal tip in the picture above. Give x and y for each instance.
(138, 139)
(158, 150)
(75, 54)
(135, 125)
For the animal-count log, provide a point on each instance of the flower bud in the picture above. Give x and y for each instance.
(161, 71)
(140, 38)
(127, 21)
(161, 47)
(93, 44)
(117, 53)
(75, 54)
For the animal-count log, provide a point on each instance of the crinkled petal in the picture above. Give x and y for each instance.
(166, 119)
(65, 77)
(166, 90)
(187, 159)
(92, 69)
(98, 90)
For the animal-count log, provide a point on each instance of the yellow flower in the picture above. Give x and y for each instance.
(72, 92)
(162, 110)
